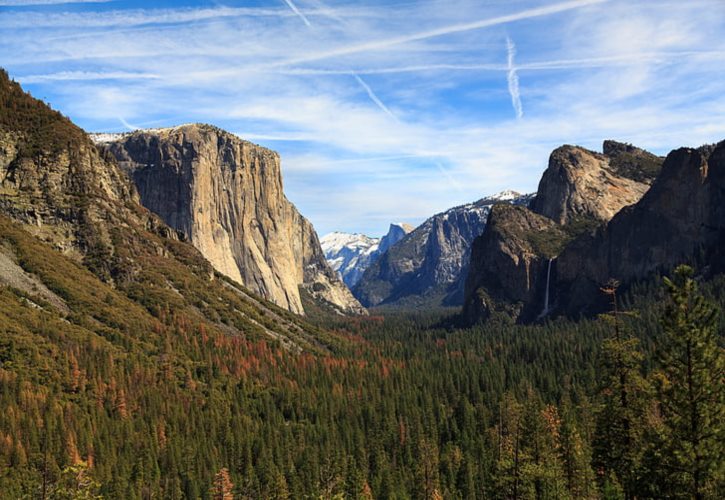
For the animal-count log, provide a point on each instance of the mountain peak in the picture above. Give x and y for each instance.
(401, 225)
(244, 225)
(350, 254)
(505, 195)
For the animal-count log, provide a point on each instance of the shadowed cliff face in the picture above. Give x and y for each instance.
(680, 220)
(225, 195)
(579, 191)
(510, 277)
(429, 265)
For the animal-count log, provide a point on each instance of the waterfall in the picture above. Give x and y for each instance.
(546, 296)
(546, 293)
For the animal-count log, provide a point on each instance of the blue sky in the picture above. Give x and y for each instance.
(384, 110)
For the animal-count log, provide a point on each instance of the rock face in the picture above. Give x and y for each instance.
(350, 254)
(396, 232)
(429, 265)
(125, 278)
(582, 183)
(579, 191)
(225, 196)
(515, 265)
(681, 219)
(54, 182)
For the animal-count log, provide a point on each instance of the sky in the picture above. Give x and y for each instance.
(384, 111)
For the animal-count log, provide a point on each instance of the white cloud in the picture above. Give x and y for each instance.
(87, 75)
(387, 43)
(513, 79)
(592, 71)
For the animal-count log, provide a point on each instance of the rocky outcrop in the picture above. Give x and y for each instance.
(396, 232)
(681, 219)
(54, 181)
(225, 195)
(429, 265)
(579, 191)
(510, 263)
(581, 183)
(351, 254)
(56, 185)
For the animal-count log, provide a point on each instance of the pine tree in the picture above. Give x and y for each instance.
(692, 391)
(618, 444)
(222, 489)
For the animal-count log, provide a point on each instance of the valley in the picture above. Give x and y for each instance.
(172, 326)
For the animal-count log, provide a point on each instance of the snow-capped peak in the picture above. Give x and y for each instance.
(105, 138)
(351, 253)
(506, 195)
(338, 240)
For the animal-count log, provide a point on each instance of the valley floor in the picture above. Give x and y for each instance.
(395, 406)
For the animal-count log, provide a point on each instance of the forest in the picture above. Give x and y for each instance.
(149, 376)
(626, 405)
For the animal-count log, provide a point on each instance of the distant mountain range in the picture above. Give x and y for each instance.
(197, 200)
(428, 266)
(351, 253)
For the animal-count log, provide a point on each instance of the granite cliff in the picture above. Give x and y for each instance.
(429, 265)
(681, 219)
(581, 183)
(77, 245)
(225, 196)
(579, 191)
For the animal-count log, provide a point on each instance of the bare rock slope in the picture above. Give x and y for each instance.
(515, 260)
(583, 183)
(225, 196)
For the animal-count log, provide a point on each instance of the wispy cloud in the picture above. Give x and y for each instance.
(647, 76)
(129, 18)
(127, 125)
(387, 43)
(513, 79)
(62, 76)
(298, 12)
(24, 3)
(360, 81)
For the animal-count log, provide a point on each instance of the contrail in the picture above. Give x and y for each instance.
(374, 97)
(513, 79)
(446, 30)
(592, 62)
(392, 70)
(127, 125)
(298, 12)
(88, 76)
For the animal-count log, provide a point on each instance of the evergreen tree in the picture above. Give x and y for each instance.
(692, 390)
(223, 486)
(618, 444)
